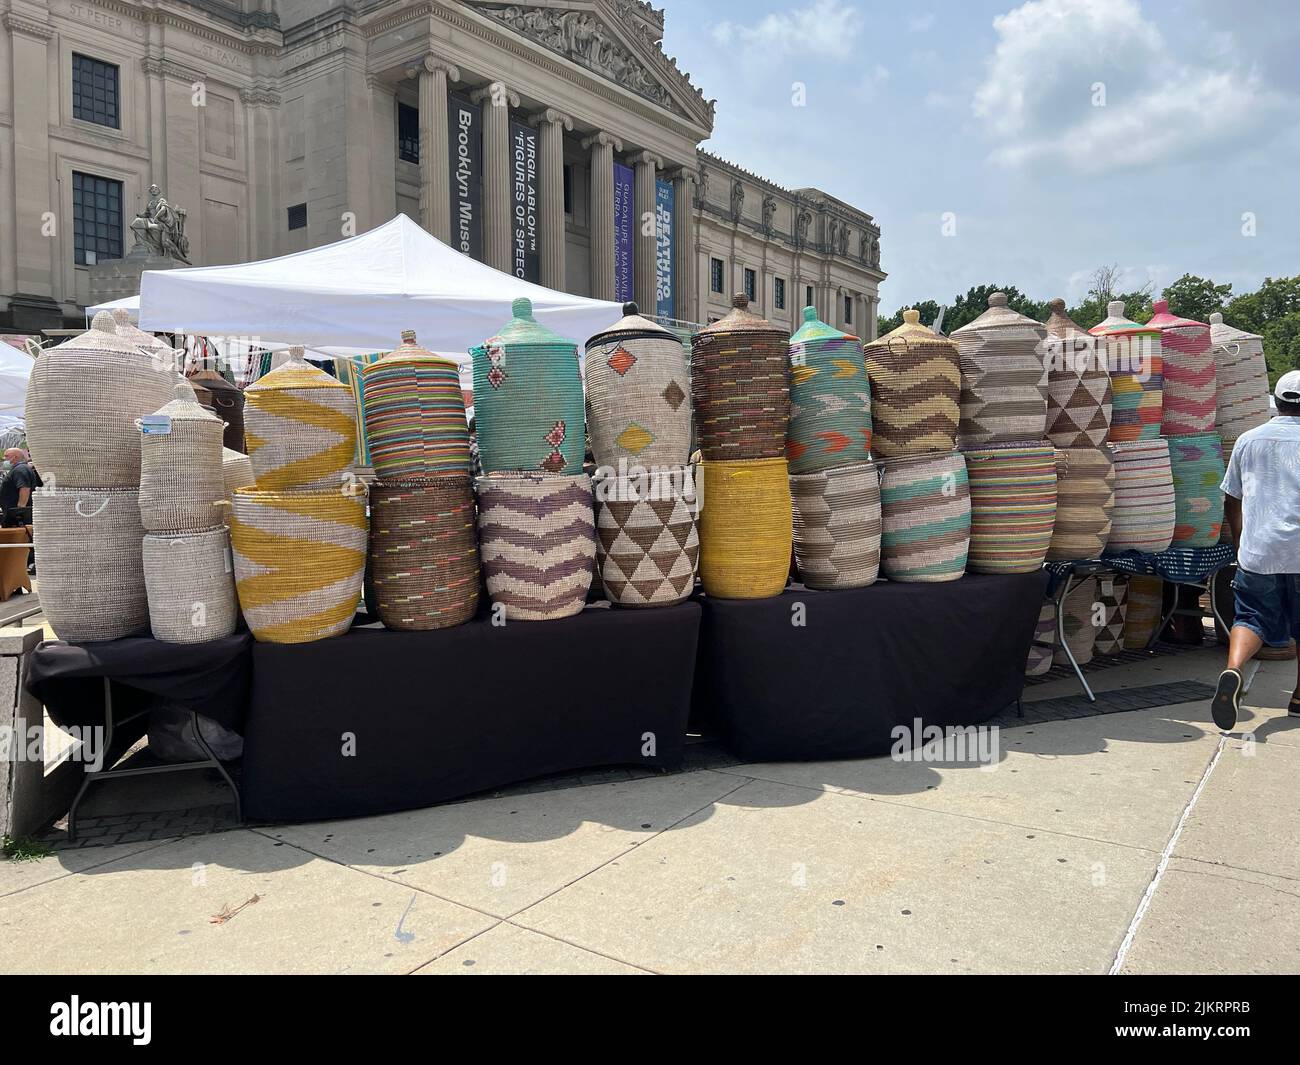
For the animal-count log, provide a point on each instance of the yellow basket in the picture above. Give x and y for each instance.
(746, 528)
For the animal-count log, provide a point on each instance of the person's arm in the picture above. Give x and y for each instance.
(1232, 515)
(24, 496)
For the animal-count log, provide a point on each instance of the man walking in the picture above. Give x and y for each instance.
(1262, 507)
(16, 489)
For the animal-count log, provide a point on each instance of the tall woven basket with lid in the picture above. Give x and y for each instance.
(1003, 378)
(1190, 389)
(647, 544)
(182, 487)
(837, 526)
(83, 399)
(415, 414)
(162, 352)
(1135, 359)
(528, 405)
(740, 386)
(191, 584)
(1242, 376)
(925, 517)
(1143, 518)
(1013, 506)
(638, 394)
(746, 533)
(915, 390)
(1085, 500)
(1078, 383)
(227, 403)
(1197, 465)
(830, 399)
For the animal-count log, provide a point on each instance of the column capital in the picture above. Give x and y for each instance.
(551, 117)
(605, 140)
(685, 173)
(493, 92)
(432, 64)
(646, 159)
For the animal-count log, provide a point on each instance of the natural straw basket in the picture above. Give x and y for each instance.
(638, 394)
(1190, 382)
(925, 511)
(915, 390)
(236, 471)
(1112, 595)
(537, 538)
(1078, 383)
(191, 584)
(746, 532)
(300, 558)
(83, 399)
(182, 486)
(1145, 602)
(147, 342)
(647, 546)
(1012, 506)
(88, 541)
(1003, 378)
(1242, 376)
(423, 552)
(1197, 465)
(301, 427)
(1085, 501)
(1040, 651)
(1143, 518)
(830, 399)
(227, 403)
(837, 526)
(1077, 617)
(414, 414)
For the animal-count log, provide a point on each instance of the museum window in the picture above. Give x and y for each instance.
(94, 91)
(848, 310)
(298, 216)
(778, 293)
(715, 275)
(807, 296)
(568, 190)
(408, 133)
(751, 285)
(96, 218)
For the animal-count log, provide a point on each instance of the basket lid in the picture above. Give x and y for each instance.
(184, 406)
(998, 316)
(740, 319)
(127, 328)
(101, 336)
(410, 350)
(632, 325)
(524, 329)
(814, 328)
(295, 373)
(1162, 319)
(912, 331)
(1222, 333)
(213, 381)
(1059, 324)
(1115, 322)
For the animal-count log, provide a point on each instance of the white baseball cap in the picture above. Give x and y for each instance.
(1288, 387)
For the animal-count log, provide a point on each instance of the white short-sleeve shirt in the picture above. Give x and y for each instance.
(1264, 473)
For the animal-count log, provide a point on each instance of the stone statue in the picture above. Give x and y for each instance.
(702, 187)
(769, 212)
(801, 229)
(737, 200)
(844, 239)
(864, 247)
(875, 252)
(160, 229)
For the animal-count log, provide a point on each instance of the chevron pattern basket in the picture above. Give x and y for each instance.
(925, 517)
(1078, 611)
(915, 379)
(647, 545)
(1003, 378)
(1112, 594)
(1040, 651)
(746, 534)
(830, 399)
(1190, 396)
(1143, 518)
(1197, 465)
(837, 526)
(1085, 503)
(1078, 384)
(1012, 506)
(190, 581)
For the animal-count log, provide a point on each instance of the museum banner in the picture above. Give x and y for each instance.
(664, 237)
(526, 259)
(624, 232)
(466, 160)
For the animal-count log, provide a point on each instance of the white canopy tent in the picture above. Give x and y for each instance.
(15, 369)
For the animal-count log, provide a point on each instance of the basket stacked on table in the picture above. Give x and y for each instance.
(299, 533)
(536, 522)
(639, 410)
(1135, 360)
(1112, 597)
(915, 379)
(834, 485)
(1242, 376)
(84, 398)
(739, 384)
(424, 563)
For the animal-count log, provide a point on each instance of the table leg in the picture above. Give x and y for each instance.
(1060, 636)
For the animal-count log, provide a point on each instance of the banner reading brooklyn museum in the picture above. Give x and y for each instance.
(526, 260)
(466, 160)
(624, 230)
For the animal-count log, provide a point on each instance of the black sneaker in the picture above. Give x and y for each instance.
(1227, 700)
(1293, 708)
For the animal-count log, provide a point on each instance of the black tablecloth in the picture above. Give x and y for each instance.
(376, 721)
(863, 661)
(212, 678)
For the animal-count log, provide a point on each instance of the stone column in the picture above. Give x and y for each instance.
(496, 101)
(552, 125)
(260, 106)
(435, 179)
(646, 287)
(36, 249)
(603, 146)
(684, 251)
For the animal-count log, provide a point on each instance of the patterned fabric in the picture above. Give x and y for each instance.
(830, 399)
(1085, 499)
(915, 390)
(1190, 399)
(925, 509)
(1003, 379)
(1012, 506)
(349, 372)
(1197, 465)
(1079, 611)
(1078, 384)
(1040, 651)
(746, 528)
(647, 545)
(1144, 600)
(837, 526)
(1143, 518)
(1112, 594)
(300, 428)
(1242, 376)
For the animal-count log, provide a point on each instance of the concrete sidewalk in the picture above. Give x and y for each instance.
(1138, 841)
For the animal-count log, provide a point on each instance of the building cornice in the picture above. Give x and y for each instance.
(28, 27)
(245, 32)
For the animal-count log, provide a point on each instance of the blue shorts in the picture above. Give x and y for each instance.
(1269, 605)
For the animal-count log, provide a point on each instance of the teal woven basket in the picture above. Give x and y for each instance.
(528, 405)
(830, 399)
(1197, 464)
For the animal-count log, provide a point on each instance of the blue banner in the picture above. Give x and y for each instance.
(624, 232)
(664, 238)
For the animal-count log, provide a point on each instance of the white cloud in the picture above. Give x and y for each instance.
(823, 28)
(870, 83)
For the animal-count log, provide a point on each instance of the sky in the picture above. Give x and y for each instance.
(1025, 144)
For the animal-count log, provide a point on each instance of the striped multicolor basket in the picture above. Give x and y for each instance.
(1077, 613)
(1242, 376)
(837, 526)
(1003, 378)
(1112, 594)
(638, 394)
(424, 570)
(1078, 384)
(1145, 599)
(740, 387)
(300, 427)
(1190, 398)
(528, 405)
(190, 580)
(1143, 518)
(537, 540)
(830, 399)
(925, 517)
(414, 414)
(300, 558)
(1197, 465)
(647, 545)
(1040, 651)
(915, 379)
(1133, 356)
(745, 528)
(1012, 506)
(1085, 501)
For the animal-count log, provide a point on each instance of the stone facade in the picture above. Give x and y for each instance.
(275, 123)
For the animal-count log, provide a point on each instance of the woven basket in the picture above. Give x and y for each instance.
(1112, 594)
(191, 584)
(1078, 383)
(915, 390)
(1040, 651)
(227, 403)
(746, 532)
(647, 545)
(528, 406)
(638, 394)
(837, 526)
(423, 552)
(155, 346)
(1003, 379)
(925, 512)
(1190, 387)
(236, 471)
(300, 558)
(1197, 465)
(537, 537)
(414, 414)
(91, 574)
(1085, 503)
(1012, 506)
(1078, 614)
(1145, 601)
(83, 399)
(1134, 357)
(182, 486)
(740, 387)
(1143, 518)
(830, 399)
(1242, 376)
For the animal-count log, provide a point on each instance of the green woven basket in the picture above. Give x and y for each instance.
(830, 399)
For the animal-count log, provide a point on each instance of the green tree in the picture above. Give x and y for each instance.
(929, 312)
(1274, 299)
(1196, 297)
(967, 308)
